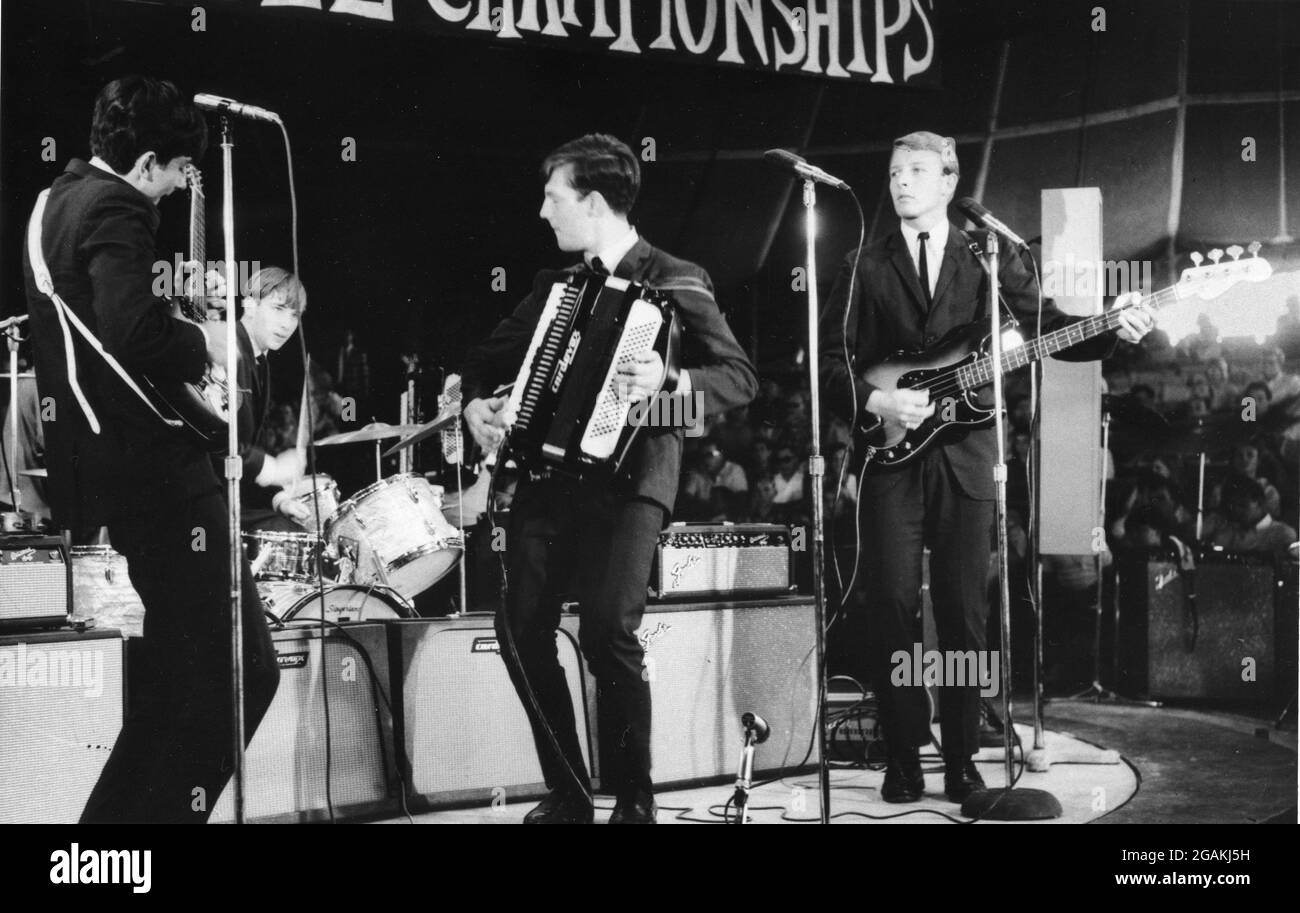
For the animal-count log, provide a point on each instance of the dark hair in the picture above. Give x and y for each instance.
(1260, 385)
(1242, 488)
(600, 163)
(136, 114)
(1142, 388)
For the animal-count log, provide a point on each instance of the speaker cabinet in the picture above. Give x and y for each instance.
(285, 763)
(1221, 631)
(462, 728)
(708, 663)
(61, 703)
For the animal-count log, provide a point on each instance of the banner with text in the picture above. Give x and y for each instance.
(890, 42)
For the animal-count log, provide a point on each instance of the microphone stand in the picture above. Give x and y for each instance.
(234, 470)
(816, 470)
(745, 775)
(1005, 803)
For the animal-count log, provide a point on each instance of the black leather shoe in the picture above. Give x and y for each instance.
(960, 779)
(641, 810)
(904, 781)
(561, 808)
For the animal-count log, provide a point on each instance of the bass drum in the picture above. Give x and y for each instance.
(346, 603)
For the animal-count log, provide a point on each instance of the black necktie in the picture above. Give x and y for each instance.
(260, 376)
(598, 267)
(923, 268)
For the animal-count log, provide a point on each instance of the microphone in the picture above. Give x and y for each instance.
(788, 161)
(754, 722)
(238, 108)
(985, 219)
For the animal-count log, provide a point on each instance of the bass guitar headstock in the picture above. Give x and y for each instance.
(1219, 275)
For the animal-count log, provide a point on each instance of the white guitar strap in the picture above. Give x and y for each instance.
(66, 315)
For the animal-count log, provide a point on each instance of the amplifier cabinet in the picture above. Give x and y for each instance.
(702, 561)
(61, 706)
(35, 582)
(285, 762)
(710, 662)
(463, 732)
(1221, 631)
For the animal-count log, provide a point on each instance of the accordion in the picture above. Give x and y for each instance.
(565, 413)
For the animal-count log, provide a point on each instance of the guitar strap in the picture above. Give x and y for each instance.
(66, 315)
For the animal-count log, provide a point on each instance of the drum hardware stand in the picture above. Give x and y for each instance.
(1004, 803)
(816, 471)
(233, 471)
(756, 733)
(1097, 693)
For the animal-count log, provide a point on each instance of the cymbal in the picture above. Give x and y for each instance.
(375, 431)
(446, 418)
(35, 473)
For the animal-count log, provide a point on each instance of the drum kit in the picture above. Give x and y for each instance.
(371, 554)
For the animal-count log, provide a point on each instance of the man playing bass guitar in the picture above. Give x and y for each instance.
(909, 291)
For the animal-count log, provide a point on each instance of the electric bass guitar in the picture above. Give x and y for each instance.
(957, 368)
(201, 407)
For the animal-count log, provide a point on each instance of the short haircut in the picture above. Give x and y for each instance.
(600, 163)
(273, 280)
(1142, 388)
(1260, 385)
(136, 114)
(925, 141)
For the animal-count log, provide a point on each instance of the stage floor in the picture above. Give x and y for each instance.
(1110, 764)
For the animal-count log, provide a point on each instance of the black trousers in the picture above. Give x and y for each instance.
(173, 756)
(902, 512)
(580, 538)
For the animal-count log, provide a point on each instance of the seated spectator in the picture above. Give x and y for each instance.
(762, 505)
(1272, 367)
(791, 481)
(1222, 394)
(1245, 461)
(1204, 344)
(728, 487)
(1144, 395)
(1257, 394)
(1287, 337)
(1246, 525)
(1158, 497)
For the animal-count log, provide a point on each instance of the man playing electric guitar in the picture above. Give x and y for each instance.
(910, 291)
(115, 461)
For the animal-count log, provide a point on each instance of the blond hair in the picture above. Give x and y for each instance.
(925, 141)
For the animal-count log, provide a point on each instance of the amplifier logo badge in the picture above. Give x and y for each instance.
(291, 660)
(682, 567)
(485, 645)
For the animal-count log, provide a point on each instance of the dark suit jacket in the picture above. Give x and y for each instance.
(889, 315)
(254, 403)
(98, 238)
(717, 364)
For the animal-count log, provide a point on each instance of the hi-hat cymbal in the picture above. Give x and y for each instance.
(375, 431)
(446, 418)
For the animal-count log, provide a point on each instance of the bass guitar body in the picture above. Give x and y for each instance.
(955, 406)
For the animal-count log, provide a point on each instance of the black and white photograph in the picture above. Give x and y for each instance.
(651, 412)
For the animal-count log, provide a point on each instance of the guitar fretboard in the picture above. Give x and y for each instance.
(980, 372)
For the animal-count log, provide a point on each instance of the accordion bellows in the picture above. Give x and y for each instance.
(565, 411)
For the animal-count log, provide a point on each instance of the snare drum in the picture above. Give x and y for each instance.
(327, 496)
(283, 556)
(392, 533)
(346, 603)
(101, 589)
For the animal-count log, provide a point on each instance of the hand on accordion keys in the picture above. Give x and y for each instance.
(640, 377)
(486, 421)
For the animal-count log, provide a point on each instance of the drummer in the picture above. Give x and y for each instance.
(273, 304)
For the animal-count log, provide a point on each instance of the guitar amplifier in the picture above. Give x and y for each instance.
(704, 561)
(61, 708)
(35, 582)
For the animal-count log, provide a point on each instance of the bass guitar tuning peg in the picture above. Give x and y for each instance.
(1215, 256)
(1254, 248)
(1196, 257)
(1235, 251)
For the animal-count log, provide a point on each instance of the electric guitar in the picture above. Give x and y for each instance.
(201, 407)
(958, 367)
